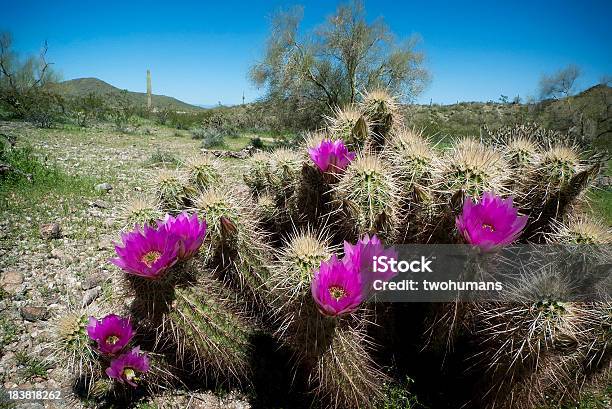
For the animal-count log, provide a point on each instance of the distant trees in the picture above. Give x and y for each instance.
(560, 84)
(587, 118)
(311, 73)
(24, 90)
(86, 109)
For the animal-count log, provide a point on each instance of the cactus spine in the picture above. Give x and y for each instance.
(332, 350)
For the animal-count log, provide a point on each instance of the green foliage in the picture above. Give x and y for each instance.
(32, 366)
(211, 137)
(163, 158)
(602, 204)
(9, 332)
(257, 143)
(123, 111)
(398, 396)
(85, 109)
(307, 74)
(35, 177)
(25, 85)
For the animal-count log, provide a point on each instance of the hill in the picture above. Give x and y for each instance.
(585, 116)
(83, 86)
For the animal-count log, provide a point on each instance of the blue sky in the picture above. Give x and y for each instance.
(200, 51)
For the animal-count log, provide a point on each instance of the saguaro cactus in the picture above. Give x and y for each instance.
(149, 94)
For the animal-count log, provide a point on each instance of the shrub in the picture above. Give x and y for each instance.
(88, 108)
(211, 137)
(257, 143)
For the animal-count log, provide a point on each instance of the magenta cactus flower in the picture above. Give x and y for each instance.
(361, 257)
(112, 333)
(189, 230)
(331, 156)
(490, 223)
(147, 253)
(336, 288)
(125, 367)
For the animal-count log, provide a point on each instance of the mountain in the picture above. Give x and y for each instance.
(83, 86)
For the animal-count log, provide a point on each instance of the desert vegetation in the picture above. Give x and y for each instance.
(177, 256)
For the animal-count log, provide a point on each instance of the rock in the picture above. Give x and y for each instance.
(101, 204)
(104, 187)
(31, 313)
(90, 295)
(10, 281)
(51, 231)
(57, 253)
(104, 244)
(93, 280)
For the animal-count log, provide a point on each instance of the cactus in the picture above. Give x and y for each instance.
(284, 178)
(413, 156)
(556, 183)
(235, 241)
(202, 172)
(383, 112)
(521, 154)
(277, 175)
(332, 351)
(349, 125)
(196, 318)
(72, 347)
(141, 211)
(266, 208)
(75, 353)
(582, 229)
(149, 91)
(209, 331)
(171, 190)
(471, 167)
(368, 198)
(537, 335)
(257, 173)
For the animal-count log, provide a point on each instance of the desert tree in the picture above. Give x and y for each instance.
(332, 64)
(560, 84)
(24, 84)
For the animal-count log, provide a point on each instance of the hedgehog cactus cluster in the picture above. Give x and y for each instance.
(208, 265)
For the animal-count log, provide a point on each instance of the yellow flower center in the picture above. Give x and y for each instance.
(150, 257)
(489, 227)
(336, 292)
(129, 374)
(112, 340)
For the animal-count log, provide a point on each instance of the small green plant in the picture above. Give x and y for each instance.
(33, 367)
(163, 158)
(257, 143)
(9, 332)
(398, 396)
(211, 137)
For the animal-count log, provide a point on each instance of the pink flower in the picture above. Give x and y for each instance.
(491, 223)
(331, 156)
(147, 253)
(112, 333)
(336, 288)
(125, 367)
(189, 230)
(361, 258)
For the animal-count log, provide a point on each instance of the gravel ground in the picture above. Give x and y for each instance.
(53, 249)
